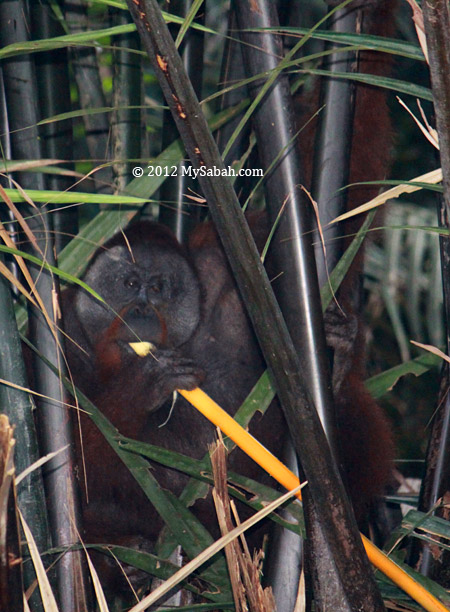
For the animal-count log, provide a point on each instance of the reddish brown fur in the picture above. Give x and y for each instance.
(367, 447)
(107, 352)
(363, 425)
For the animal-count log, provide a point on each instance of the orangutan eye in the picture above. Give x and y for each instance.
(132, 283)
(155, 288)
(156, 284)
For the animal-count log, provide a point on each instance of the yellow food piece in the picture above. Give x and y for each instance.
(142, 348)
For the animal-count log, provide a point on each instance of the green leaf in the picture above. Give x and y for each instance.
(257, 495)
(359, 41)
(188, 21)
(382, 383)
(74, 197)
(433, 525)
(396, 85)
(149, 563)
(57, 271)
(90, 37)
(338, 274)
(419, 184)
(59, 42)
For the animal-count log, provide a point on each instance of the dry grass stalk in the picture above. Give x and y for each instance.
(245, 572)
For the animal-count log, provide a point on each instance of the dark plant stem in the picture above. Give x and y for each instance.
(324, 481)
(53, 419)
(436, 16)
(52, 72)
(126, 125)
(296, 288)
(19, 407)
(436, 481)
(175, 211)
(232, 73)
(90, 95)
(333, 147)
(295, 271)
(331, 169)
(7, 216)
